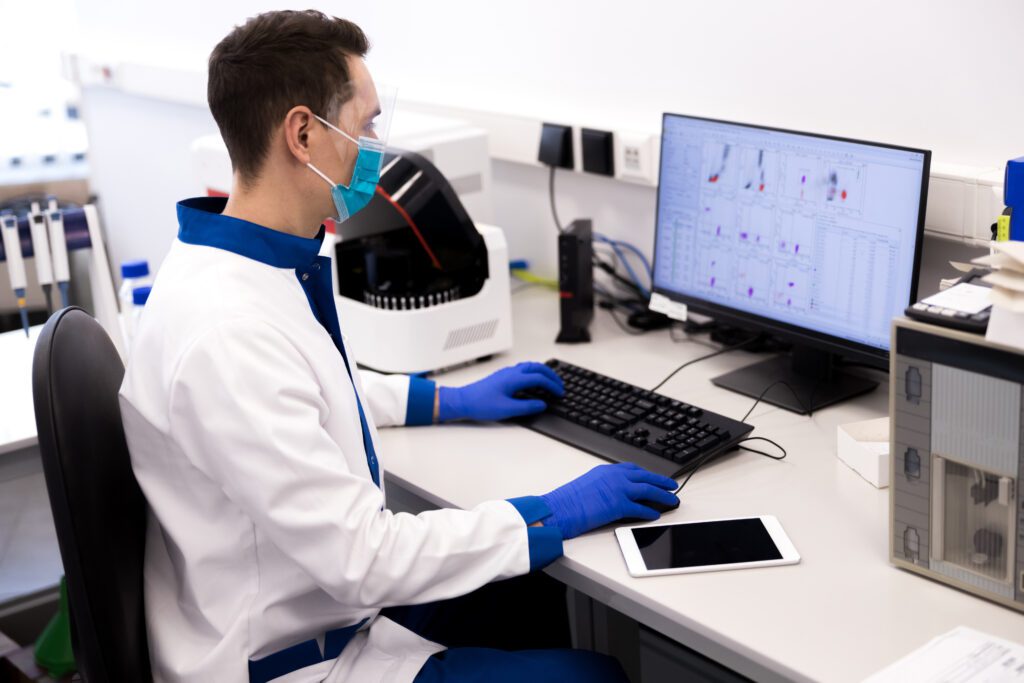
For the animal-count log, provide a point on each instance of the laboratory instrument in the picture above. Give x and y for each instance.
(956, 412)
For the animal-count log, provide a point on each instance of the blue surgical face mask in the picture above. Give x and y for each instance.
(350, 199)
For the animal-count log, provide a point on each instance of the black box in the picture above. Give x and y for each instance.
(576, 281)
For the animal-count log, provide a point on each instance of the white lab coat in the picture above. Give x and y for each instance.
(265, 528)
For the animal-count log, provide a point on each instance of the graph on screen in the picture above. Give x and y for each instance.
(807, 230)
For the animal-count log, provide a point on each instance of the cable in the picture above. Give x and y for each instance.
(632, 248)
(551, 195)
(719, 352)
(739, 444)
(616, 247)
(527, 276)
(632, 274)
(609, 299)
(767, 440)
(625, 327)
(788, 386)
(618, 278)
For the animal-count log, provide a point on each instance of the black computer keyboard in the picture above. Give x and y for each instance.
(624, 423)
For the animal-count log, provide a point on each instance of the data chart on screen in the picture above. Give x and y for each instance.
(810, 231)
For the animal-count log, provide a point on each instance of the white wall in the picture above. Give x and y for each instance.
(938, 74)
(941, 74)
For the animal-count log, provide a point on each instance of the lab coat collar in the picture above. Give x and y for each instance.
(201, 222)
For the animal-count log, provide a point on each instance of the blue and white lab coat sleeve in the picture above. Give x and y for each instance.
(398, 399)
(260, 436)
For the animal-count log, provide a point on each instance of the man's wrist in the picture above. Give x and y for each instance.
(437, 403)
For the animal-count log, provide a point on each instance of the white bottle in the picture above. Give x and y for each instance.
(133, 274)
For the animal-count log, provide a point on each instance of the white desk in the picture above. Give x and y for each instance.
(839, 615)
(17, 416)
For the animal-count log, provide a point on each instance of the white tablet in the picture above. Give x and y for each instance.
(705, 546)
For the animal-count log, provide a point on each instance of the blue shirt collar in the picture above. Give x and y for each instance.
(200, 222)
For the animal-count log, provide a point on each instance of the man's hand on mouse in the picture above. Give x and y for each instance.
(606, 494)
(494, 397)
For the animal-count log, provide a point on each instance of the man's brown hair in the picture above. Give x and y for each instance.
(271, 63)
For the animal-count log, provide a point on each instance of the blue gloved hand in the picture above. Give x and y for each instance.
(492, 398)
(607, 494)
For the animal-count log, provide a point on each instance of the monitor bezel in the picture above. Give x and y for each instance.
(856, 351)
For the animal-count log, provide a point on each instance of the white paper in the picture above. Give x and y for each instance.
(962, 297)
(1008, 299)
(1006, 279)
(961, 656)
(999, 260)
(1011, 248)
(1006, 327)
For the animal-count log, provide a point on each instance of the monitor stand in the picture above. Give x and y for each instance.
(812, 375)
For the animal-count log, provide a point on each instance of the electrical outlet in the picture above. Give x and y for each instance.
(631, 154)
(635, 157)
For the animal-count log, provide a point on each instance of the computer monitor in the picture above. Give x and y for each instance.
(812, 238)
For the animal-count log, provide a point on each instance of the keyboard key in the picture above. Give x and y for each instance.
(706, 442)
(685, 454)
(655, 448)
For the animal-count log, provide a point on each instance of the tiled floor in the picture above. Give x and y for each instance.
(29, 557)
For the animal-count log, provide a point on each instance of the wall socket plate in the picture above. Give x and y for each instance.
(636, 157)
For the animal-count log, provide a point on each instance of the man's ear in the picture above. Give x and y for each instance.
(297, 125)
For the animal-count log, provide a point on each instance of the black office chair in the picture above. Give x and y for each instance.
(98, 509)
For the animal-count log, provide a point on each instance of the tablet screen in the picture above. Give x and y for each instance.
(700, 544)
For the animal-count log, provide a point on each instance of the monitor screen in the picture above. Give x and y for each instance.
(810, 234)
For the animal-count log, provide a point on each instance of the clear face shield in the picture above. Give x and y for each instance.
(362, 124)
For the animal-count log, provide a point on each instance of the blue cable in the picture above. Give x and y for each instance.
(629, 269)
(632, 248)
(616, 247)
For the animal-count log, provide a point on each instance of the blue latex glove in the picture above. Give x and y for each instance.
(492, 398)
(607, 494)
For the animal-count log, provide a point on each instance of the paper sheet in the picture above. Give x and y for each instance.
(1008, 299)
(1006, 279)
(962, 297)
(961, 656)
(999, 260)
(1011, 248)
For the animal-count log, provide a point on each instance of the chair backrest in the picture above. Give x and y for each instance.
(98, 509)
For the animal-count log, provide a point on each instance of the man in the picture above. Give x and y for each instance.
(270, 551)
